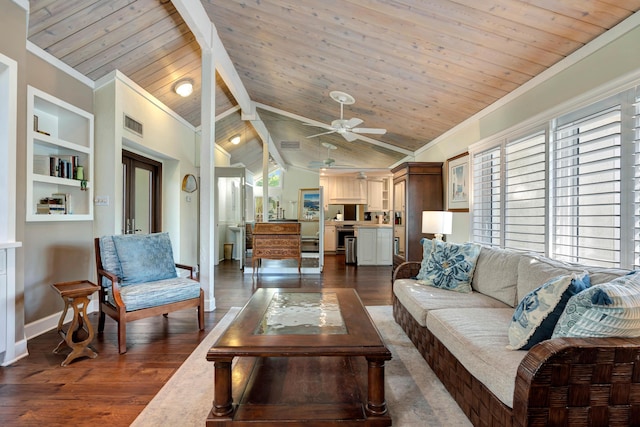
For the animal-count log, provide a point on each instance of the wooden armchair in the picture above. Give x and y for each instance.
(138, 278)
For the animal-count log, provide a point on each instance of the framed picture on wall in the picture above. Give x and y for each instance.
(309, 204)
(457, 179)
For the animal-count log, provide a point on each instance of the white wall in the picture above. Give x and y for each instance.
(166, 138)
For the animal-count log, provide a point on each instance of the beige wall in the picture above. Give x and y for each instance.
(56, 251)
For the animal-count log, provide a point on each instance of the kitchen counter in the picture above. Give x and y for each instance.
(355, 224)
(372, 225)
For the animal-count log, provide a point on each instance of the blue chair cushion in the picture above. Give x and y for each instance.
(145, 295)
(145, 257)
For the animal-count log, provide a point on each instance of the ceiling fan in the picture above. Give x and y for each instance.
(346, 128)
(328, 162)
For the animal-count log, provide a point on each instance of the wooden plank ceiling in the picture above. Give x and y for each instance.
(415, 67)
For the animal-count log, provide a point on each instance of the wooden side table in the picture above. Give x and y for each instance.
(76, 294)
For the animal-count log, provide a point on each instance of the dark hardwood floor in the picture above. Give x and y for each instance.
(113, 389)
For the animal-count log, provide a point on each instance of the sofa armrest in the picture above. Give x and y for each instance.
(595, 380)
(406, 270)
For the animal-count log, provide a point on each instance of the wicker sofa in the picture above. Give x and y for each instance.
(560, 381)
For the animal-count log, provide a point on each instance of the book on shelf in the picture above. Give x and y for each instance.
(65, 198)
(58, 166)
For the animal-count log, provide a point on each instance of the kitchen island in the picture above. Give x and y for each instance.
(374, 244)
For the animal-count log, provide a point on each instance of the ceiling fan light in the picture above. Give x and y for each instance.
(184, 87)
(235, 139)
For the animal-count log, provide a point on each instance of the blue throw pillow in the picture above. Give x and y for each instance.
(451, 265)
(609, 309)
(427, 247)
(145, 257)
(536, 315)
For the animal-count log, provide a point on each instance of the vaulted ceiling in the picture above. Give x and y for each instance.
(416, 68)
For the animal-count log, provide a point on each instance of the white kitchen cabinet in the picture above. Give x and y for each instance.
(343, 190)
(374, 246)
(329, 238)
(374, 196)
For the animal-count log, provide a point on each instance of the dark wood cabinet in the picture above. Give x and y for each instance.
(417, 187)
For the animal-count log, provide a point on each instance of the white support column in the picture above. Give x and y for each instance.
(265, 181)
(207, 179)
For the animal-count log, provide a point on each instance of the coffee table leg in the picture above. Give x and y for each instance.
(222, 400)
(376, 404)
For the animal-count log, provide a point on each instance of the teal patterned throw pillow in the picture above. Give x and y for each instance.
(537, 314)
(451, 265)
(605, 310)
(427, 247)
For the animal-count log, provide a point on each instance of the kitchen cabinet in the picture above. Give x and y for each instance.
(374, 196)
(329, 238)
(345, 190)
(378, 194)
(417, 187)
(373, 246)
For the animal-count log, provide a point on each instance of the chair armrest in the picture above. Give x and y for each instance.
(596, 380)
(406, 270)
(115, 284)
(186, 267)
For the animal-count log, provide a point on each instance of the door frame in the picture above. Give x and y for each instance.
(132, 160)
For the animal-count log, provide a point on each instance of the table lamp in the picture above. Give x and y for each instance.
(437, 222)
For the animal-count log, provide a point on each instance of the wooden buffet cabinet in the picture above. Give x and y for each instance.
(273, 240)
(417, 187)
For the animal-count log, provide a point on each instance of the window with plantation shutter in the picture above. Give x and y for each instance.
(586, 186)
(569, 189)
(525, 193)
(635, 165)
(486, 218)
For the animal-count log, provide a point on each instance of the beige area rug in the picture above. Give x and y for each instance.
(415, 396)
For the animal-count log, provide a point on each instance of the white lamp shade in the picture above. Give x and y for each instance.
(437, 222)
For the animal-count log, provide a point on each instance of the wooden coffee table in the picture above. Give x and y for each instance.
(306, 358)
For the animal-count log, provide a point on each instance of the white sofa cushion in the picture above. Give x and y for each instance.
(496, 274)
(421, 299)
(477, 338)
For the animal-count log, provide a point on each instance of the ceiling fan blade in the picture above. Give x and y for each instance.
(376, 131)
(349, 136)
(353, 122)
(319, 125)
(323, 133)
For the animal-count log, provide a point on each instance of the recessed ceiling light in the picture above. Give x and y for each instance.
(184, 87)
(235, 139)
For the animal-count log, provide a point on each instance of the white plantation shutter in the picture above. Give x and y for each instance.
(636, 182)
(586, 180)
(486, 217)
(569, 190)
(525, 193)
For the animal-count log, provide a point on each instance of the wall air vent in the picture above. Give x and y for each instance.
(290, 145)
(132, 125)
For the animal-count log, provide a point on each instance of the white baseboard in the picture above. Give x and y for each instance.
(48, 323)
(19, 351)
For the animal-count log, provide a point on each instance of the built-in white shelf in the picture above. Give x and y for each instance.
(59, 138)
